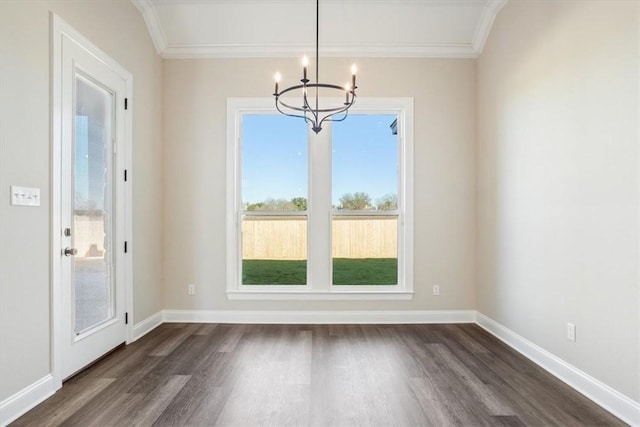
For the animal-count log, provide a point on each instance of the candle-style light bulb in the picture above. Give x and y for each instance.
(354, 69)
(277, 77)
(347, 89)
(305, 63)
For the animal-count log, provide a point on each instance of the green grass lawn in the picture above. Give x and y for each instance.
(273, 272)
(346, 271)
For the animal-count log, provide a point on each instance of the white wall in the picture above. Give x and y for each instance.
(558, 182)
(117, 28)
(195, 94)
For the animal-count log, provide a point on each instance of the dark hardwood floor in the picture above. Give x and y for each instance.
(316, 375)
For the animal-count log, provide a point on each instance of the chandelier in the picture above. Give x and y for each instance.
(310, 109)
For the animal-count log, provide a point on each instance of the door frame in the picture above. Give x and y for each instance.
(59, 30)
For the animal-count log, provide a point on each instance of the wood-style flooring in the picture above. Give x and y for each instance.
(316, 375)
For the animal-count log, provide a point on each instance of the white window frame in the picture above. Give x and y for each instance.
(319, 219)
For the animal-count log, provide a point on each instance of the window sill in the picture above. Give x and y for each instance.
(320, 296)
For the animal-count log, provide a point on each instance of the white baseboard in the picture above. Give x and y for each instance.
(14, 406)
(316, 317)
(613, 401)
(140, 329)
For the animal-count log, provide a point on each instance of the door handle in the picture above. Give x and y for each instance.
(70, 251)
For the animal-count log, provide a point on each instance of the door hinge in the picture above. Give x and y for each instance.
(125, 175)
(126, 318)
(125, 247)
(126, 103)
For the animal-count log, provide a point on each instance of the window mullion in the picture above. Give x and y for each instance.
(319, 231)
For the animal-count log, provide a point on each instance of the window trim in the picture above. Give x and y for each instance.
(404, 290)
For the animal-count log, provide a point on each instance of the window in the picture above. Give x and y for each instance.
(274, 174)
(325, 216)
(364, 164)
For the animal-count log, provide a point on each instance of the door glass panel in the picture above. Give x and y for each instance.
(92, 212)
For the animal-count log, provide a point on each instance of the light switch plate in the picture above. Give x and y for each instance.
(25, 196)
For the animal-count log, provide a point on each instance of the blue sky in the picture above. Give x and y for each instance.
(275, 155)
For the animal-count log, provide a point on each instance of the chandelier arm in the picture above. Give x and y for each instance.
(285, 113)
(304, 110)
(307, 107)
(346, 113)
(329, 117)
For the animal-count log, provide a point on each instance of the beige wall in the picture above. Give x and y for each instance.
(117, 28)
(558, 182)
(195, 96)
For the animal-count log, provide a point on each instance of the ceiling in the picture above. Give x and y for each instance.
(284, 28)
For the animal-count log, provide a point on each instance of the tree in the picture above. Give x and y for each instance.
(300, 203)
(388, 202)
(276, 205)
(357, 201)
(254, 206)
(270, 204)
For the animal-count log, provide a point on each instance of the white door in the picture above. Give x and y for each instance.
(92, 208)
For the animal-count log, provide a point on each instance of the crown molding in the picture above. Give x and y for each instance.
(491, 10)
(150, 15)
(342, 50)
(296, 2)
(391, 50)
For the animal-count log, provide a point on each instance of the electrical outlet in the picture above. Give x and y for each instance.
(436, 290)
(571, 331)
(191, 289)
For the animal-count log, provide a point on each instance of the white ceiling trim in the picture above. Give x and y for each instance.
(486, 22)
(294, 2)
(150, 15)
(407, 50)
(291, 51)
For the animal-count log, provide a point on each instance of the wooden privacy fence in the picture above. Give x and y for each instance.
(285, 237)
(89, 234)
